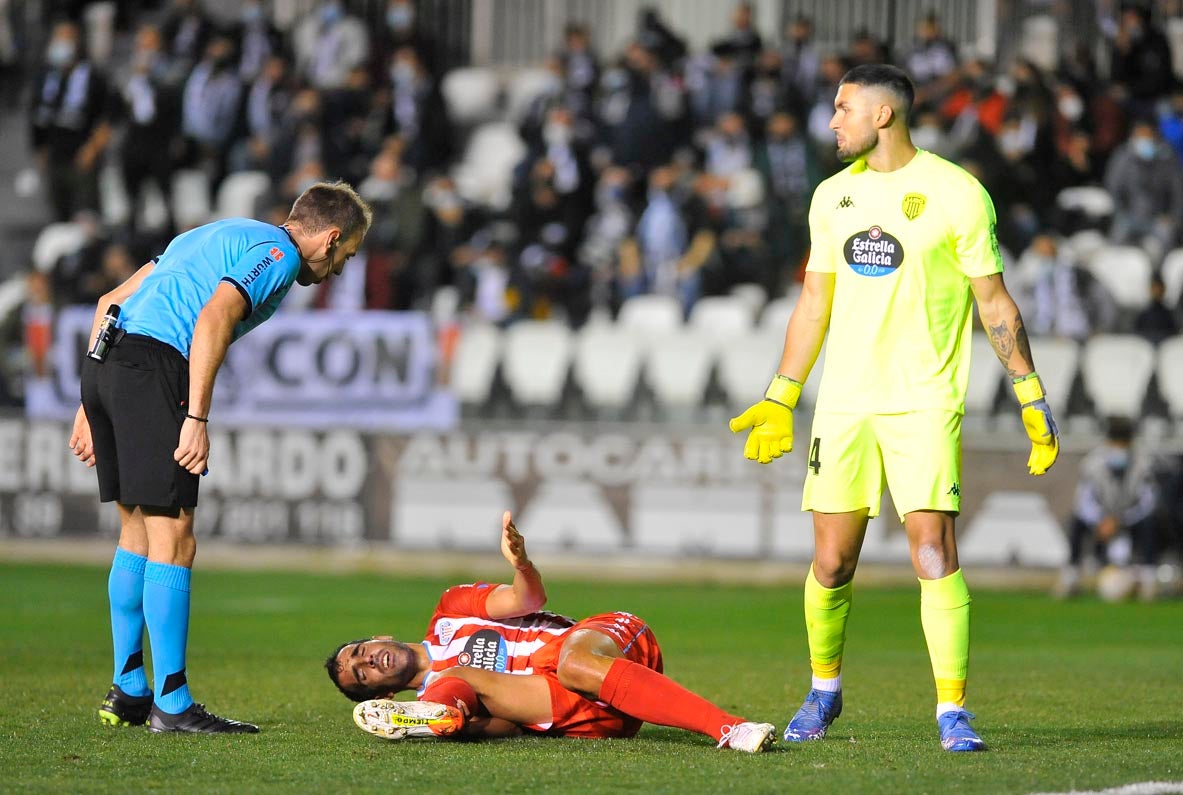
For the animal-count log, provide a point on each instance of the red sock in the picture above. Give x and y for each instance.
(655, 698)
(454, 692)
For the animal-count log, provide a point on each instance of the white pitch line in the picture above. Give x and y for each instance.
(1139, 788)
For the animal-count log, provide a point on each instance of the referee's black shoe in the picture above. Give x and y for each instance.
(120, 709)
(197, 721)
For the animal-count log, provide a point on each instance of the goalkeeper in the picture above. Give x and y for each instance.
(494, 665)
(901, 241)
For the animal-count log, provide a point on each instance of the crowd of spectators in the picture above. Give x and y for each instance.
(655, 169)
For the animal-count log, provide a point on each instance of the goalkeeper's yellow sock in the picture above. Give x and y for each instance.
(944, 614)
(826, 611)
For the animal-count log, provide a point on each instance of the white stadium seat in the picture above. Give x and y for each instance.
(718, 315)
(190, 198)
(1056, 361)
(486, 171)
(478, 351)
(535, 361)
(754, 295)
(1095, 202)
(1116, 369)
(1084, 244)
(607, 364)
(471, 94)
(55, 241)
(1172, 277)
(1170, 374)
(239, 193)
(650, 312)
(523, 87)
(677, 369)
(1125, 273)
(747, 363)
(777, 311)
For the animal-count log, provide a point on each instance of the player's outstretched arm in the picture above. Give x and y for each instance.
(770, 422)
(1004, 326)
(527, 594)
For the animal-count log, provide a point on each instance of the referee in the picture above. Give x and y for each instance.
(146, 393)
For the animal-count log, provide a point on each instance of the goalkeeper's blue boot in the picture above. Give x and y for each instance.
(957, 734)
(815, 716)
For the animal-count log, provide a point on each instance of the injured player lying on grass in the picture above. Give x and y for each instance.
(494, 664)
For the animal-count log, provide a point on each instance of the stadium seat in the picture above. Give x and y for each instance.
(650, 313)
(1174, 31)
(485, 173)
(474, 366)
(190, 198)
(1172, 277)
(745, 189)
(1013, 527)
(1125, 272)
(747, 363)
(1170, 375)
(445, 303)
(717, 316)
(55, 241)
(677, 369)
(522, 88)
(1092, 201)
(1084, 244)
(1116, 369)
(607, 364)
(1039, 41)
(985, 374)
(535, 361)
(752, 294)
(1056, 360)
(777, 311)
(240, 192)
(471, 94)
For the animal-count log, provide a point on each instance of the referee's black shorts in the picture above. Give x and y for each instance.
(136, 402)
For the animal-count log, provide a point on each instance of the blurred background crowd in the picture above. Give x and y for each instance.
(565, 188)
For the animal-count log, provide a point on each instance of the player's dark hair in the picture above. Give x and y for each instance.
(326, 204)
(357, 693)
(883, 75)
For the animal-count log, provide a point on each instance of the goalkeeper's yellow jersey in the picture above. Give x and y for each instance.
(902, 245)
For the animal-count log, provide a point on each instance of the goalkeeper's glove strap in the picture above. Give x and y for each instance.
(783, 390)
(1028, 389)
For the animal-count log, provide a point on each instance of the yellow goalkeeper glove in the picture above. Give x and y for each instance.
(1037, 420)
(770, 420)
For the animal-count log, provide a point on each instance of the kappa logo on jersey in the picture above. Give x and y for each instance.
(275, 253)
(913, 205)
(844, 203)
(446, 630)
(485, 649)
(873, 252)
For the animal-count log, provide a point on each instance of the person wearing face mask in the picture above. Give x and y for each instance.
(400, 28)
(69, 129)
(1114, 511)
(210, 105)
(417, 113)
(328, 44)
(1140, 58)
(146, 399)
(1145, 180)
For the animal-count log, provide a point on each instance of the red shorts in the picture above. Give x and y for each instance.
(573, 715)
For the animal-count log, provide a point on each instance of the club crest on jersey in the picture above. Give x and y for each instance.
(873, 252)
(913, 205)
(445, 629)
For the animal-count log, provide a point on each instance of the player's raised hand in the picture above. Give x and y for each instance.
(1039, 424)
(513, 546)
(770, 422)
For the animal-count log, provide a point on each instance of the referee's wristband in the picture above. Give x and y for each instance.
(194, 417)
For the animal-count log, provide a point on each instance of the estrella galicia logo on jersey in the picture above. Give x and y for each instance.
(913, 205)
(486, 650)
(873, 252)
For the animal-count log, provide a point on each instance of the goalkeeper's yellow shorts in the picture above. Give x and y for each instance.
(851, 457)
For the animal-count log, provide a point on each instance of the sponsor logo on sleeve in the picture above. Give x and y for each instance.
(260, 267)
(873, 252)
(275, 253)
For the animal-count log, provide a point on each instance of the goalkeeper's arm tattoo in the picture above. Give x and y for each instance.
(1005, 341)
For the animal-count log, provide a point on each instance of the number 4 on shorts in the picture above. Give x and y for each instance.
(815, 455)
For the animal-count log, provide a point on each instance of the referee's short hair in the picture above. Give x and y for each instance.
(326, 204)
(883, 75)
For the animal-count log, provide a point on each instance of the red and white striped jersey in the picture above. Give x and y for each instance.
(461, 633)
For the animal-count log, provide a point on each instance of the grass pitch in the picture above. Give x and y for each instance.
(1082, 695)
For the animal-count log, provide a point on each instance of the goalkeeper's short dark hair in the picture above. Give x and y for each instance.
(886, 76)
